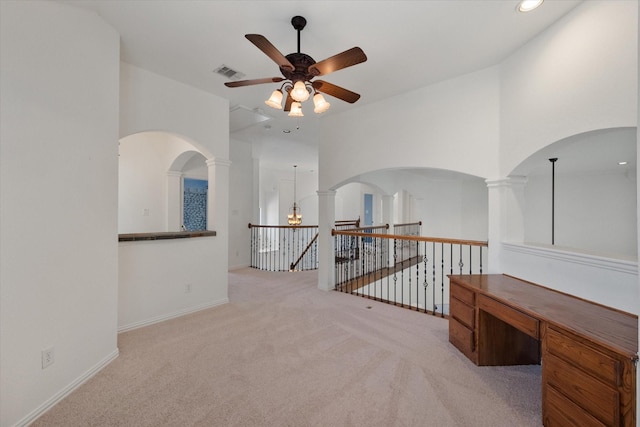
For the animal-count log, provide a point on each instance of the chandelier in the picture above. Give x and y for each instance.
(295, 217)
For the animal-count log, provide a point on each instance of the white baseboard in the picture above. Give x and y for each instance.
(164, 317)
(50, 403)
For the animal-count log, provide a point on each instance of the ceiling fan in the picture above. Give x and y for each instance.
(299, 70)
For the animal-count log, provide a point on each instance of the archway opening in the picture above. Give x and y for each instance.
(587, 198)
(153, 167)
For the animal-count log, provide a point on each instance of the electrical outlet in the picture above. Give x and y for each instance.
(48, 357)
(187, 288)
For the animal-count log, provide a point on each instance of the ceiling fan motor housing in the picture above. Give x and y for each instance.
(301, 63)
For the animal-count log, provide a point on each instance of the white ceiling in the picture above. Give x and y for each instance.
(409, 44)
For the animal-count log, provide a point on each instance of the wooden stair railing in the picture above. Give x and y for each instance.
(352, 285)
(294, 264)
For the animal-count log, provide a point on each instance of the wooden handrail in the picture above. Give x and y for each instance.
(281, 226)
(294, 264)
(348, 222)
(338, 223)
(409, 223)
(412, 238)
(373, 227)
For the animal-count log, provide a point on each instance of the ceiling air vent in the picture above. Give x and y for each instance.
(228, 72)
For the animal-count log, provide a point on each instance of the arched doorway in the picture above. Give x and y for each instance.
(152, 169)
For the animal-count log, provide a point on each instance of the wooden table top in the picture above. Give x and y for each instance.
(614, 329)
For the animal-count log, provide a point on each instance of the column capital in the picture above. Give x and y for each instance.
(218, 162)
(510, 181)
(326, 193)
(174, 173)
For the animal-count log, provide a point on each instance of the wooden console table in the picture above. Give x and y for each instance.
(588, 351)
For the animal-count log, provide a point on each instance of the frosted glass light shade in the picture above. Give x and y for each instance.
(529, 5)
(299, 92)
(296, 110)
(275, 100)
(321, 105)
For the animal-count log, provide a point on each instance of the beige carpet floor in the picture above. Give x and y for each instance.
(283, 353)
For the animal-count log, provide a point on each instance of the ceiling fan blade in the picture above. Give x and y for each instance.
(350, 57)
(240, 83)
(270, 50)
(288, 102)
(336, 91)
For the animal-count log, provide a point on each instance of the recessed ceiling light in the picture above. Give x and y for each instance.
(622, 163)
(286, 131)
(529, 5)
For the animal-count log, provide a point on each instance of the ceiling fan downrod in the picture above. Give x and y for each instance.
(298, 23)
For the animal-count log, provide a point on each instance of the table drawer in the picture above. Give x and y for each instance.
(598, 364)
(561, 412)
(515, 318)
(462, 312)
(461, 337)
(595, 397)
(463, 294)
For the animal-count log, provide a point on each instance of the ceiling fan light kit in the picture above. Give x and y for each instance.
(296, 109)
(299, 69)
(299, 92)
(320, 104)
(529, 5)
(275, 100)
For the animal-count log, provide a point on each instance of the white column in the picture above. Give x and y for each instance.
(174, 200)
(387, 211)
(387, 218)
(218, 195)
(399, 216)
(255, 214)
(506, 216)
(326, 252)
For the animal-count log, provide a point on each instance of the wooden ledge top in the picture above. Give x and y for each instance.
(164, 235)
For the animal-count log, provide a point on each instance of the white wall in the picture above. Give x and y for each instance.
(276, 195)
(448, 204)
(162, 279)
(145, 158)
(475, 210)
(350, 202)
(58, 191)
(196, 167)
(152, 102)
(579, 75)
(608, 281)
(241, 200)
(451, 125)
(594, 212)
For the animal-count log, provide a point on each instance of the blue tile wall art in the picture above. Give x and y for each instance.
(195, 204)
